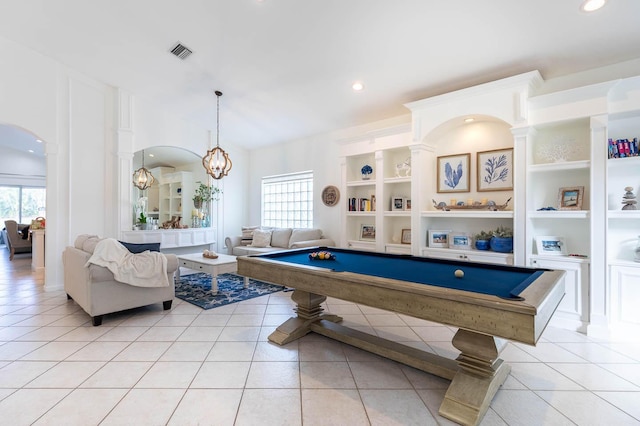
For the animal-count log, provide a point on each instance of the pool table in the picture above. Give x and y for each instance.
(486, 302)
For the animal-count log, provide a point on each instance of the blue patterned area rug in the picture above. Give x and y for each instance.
(196, 289)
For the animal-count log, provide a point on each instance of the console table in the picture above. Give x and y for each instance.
(175, 240)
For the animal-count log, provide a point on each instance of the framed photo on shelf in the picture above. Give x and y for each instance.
(407, 204)
(438, 238)
(453, 173)
(495, 170)
(397, 203)
(406, 236)
(460, 240)
(550, 245)
(367, 232)
(570, 198)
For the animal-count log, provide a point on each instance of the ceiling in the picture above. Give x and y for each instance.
(286, 66)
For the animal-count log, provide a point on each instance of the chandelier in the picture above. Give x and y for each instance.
(142, 178)
(216, 160)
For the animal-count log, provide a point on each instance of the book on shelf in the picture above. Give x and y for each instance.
(621, 148)
(361, 205)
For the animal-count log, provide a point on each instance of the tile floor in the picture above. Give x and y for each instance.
(187, 366)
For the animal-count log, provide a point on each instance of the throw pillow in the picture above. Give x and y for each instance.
(280, 237)
(80, 240)
(261, 238)
(247, 235)
(301, 234)
(139, 248)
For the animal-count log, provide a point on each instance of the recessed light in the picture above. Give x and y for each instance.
(151, 155)
(38, 140)
(31, 151)
(469, 120)
(592, 5)
(357, 86)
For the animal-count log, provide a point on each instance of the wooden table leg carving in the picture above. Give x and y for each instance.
(480, 376)
(309, 311)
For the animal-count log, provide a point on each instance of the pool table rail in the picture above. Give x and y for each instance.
(522, 321)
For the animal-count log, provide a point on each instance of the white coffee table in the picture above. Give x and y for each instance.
(224, 264)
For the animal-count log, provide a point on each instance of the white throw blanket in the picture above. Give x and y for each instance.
(147, 269)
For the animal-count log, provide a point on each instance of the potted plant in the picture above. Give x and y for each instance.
(203, 195)
(482, 240)
(139, 209)
(502, 240)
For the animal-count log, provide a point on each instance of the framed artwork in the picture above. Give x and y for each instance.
(459, 240)
(453, 173)
(406, 236)
(397, 203)
(407, 204)
(330, 196)
(550, 245)
(570, 198)
(367, 232)
(495, 170)
(438, 238)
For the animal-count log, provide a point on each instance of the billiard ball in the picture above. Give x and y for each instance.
(459, 273)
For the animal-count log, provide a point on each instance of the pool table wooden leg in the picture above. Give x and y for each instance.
(309, 311)
(480, 376)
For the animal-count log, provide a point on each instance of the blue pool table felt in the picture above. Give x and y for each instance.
(498, 280)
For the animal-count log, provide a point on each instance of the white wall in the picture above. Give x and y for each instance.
(20, 168)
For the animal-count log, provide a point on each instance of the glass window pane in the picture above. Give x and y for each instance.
(9, 203)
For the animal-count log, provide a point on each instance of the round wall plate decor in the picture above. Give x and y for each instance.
(330, 195)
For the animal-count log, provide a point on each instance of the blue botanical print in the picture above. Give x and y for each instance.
(451, 177)
(496, 169)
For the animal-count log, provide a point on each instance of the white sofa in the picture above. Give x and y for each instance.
(279, 239)
(98, 293)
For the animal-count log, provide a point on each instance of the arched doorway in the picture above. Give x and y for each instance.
(23, 189)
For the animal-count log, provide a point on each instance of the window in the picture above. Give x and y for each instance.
(21, 203)
(287, 200)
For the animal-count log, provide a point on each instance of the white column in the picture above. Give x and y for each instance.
(599, 315)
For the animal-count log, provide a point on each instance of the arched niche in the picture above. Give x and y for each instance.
(472, 134)
(164, 162)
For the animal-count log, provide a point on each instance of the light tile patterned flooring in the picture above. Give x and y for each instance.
(187, 366)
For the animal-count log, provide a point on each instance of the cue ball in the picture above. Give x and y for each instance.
(459, 273)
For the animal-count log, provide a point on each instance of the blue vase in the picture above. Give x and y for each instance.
(502, 244)
(482, 244)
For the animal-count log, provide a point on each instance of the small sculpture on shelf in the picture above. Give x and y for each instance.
(629, 199)
(404, 167)
(366, 172)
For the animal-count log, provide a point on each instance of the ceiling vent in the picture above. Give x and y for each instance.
(181, 51)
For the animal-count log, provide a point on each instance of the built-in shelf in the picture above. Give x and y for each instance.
(623, 262)
(357, 213)
(400, 213)
(469, 214)
(563, 165)
(574, 259)
(398, 180)
(361, 183)
(559, 214)
(624, 162)
(623, 214)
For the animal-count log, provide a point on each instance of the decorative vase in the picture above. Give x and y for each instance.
(197, 203)
(501, 244)
(482, 244)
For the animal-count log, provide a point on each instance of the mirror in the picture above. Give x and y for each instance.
(178, 172)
